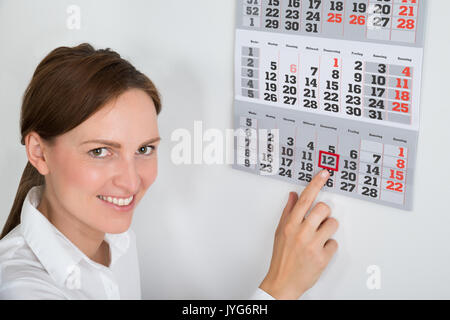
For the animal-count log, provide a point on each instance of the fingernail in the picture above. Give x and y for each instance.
(325, 173)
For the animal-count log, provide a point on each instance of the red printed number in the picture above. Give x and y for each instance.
(396, 174)
(401, 164)
(354, 19)
(407, 72)
(395, 186)
(406, 24)
(401, 107)
(293, 68)
(404, 11)
(336, 63)
(404, 85)
(335, 17)
(401, 95)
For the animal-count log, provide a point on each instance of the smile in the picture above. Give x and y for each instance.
(117, 201)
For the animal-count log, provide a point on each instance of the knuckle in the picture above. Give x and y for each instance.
(304, 199)
(316, 216)
(289, 229)
(312, 253)
(322, 261)
(310, 222)
(300, 238)
(316, 255)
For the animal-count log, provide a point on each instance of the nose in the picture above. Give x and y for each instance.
(127, 177)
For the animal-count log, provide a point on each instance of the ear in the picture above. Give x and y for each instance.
(35, 152)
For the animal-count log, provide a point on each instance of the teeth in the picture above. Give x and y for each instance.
(117, 201)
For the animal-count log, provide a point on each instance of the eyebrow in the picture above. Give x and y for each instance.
(116, 144)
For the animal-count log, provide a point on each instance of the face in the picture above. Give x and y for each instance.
(110, 155)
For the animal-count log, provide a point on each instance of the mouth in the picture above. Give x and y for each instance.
(119, 204)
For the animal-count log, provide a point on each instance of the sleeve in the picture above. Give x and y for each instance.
(29, 289)
(260, 294)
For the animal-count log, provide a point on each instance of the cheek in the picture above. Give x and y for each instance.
(80, 174)
(148, 172)
(86, 176)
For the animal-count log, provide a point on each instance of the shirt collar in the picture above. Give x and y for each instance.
(58, 254)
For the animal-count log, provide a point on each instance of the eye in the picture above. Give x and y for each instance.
(97, 153)
(146, 150)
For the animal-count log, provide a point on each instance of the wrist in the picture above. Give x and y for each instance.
(279, 292)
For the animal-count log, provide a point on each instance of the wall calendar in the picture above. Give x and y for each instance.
(334, 85)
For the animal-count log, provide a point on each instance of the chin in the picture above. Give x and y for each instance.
(115, 226)
(117, 229)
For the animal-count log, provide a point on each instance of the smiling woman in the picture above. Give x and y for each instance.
(89, 124)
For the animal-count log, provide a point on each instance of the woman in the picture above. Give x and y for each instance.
(89, 124)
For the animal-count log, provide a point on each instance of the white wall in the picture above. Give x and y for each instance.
(207, 231)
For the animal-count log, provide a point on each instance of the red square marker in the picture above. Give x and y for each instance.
(331, 160)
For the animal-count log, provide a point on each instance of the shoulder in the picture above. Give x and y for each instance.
(12, 245)
(26, 288)
(22, 276)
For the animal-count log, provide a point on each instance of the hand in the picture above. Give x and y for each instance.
(302, 247)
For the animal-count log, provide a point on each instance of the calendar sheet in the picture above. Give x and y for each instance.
(322, 84)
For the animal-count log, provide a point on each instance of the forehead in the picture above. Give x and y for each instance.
(130, 117)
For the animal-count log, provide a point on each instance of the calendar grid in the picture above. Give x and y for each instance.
(396, 90)
(393, 21)
(331, 84)
(372, 157)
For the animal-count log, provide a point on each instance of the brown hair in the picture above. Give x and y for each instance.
(69, 86)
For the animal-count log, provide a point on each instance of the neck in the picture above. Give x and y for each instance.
(88, 240)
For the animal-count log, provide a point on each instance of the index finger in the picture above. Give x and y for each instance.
(308, 195)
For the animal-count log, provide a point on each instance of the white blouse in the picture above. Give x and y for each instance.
(38, 262)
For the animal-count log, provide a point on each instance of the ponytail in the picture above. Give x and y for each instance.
(30, 178)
